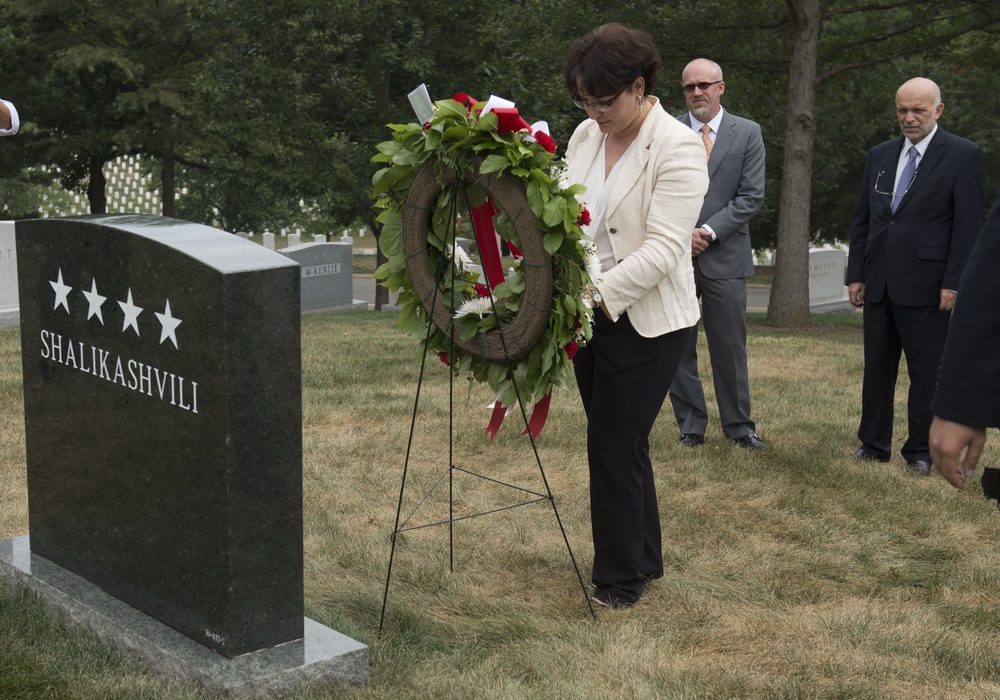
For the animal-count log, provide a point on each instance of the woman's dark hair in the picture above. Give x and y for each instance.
(609, 59)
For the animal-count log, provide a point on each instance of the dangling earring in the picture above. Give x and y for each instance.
(640, 98)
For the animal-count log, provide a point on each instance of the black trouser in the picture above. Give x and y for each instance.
(623, 380)
(891, 329)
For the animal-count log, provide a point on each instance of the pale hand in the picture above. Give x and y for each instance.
(700, 240)
(856, 294)
(948, 439)
(947, 300)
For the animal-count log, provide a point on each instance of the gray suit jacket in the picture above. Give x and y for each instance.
(735, 193)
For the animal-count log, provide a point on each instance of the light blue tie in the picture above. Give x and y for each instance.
(909, 170)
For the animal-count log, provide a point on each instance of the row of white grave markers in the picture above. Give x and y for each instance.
(128, 192)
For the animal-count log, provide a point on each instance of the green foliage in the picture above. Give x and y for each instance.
(459, 140)
(97, 80)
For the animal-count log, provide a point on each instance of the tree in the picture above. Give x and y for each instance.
(845, 56)
(100, 79)
(788, 305)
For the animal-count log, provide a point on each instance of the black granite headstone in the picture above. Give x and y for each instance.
(163, 421)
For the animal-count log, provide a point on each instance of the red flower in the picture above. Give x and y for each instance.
(427, 125)
(571, 349)
(545, 141)
(584, 219)
(481, 290)
(444, 358)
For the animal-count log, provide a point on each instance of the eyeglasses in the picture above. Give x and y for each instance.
(701, 86)
(881, 172)
(598, 106)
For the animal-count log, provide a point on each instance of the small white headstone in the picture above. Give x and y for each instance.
(826, 276)
(269, 240)
(319, 238)
(8, 267)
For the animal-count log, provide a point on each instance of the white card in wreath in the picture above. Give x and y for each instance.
(420, 100)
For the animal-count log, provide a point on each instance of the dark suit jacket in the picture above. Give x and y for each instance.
(735, 193)
(922, 248)
(969, 384)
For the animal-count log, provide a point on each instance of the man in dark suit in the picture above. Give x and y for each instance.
(722, 260)
(968, 392)
(918, 214)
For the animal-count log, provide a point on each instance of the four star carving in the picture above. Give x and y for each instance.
(95, 303)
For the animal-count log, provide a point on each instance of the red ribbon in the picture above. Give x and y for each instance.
(496, 420)
(486, 239)
(539, 414)
(508, 120)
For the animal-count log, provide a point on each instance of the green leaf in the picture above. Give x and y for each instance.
(552, 242)
(493, 163)
(554, 211)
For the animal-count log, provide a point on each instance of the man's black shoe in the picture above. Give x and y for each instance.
(866, 455)
(691, 440)
(750, 441)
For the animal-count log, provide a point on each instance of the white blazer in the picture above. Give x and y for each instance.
(651, 216)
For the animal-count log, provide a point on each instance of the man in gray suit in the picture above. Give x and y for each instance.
(722, 260)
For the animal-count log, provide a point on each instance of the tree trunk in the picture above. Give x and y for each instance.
(789, 303)
(96, 194)
(167, 176)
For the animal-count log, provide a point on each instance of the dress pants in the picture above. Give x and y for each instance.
(891, 329)
(724, 307)
(623, 380)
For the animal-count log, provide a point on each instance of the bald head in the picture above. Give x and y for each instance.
(703, 88)
(704, 67)
(918, 107)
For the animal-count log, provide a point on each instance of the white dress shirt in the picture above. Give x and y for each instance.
(713, 125)
(904, 156)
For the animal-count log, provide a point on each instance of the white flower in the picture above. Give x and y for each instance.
(462, 259)
(480, 306)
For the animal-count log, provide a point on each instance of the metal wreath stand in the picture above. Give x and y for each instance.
(506, 344)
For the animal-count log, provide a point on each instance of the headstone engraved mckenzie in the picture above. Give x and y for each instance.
(162, 389)
(326, 279)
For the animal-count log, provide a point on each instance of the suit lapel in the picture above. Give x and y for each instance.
(887, 167)
(586, 153)
(723, 139)
(935, 149)
(723, 142)
(635, 159)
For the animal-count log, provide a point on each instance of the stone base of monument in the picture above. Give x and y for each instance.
(323, 656)
(10, 318)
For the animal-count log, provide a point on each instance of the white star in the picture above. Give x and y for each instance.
(95, 300)
(131, 313)
(169, 324)
(61, 290)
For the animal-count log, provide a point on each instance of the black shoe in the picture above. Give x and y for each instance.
(920, 466)
(691, 440)
(604, 598)
(750, 441)
(866, 455)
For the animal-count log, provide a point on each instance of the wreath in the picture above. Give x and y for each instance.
(517, 332)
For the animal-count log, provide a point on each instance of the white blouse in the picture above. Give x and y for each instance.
(597, 196)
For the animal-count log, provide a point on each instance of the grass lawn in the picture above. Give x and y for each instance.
(795, 573)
